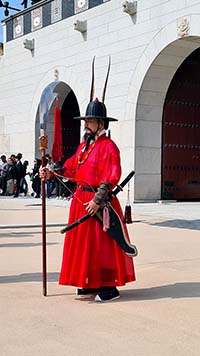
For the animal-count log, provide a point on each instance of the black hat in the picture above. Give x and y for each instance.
(96, 109)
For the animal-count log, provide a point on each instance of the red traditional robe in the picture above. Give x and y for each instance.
(91, 258)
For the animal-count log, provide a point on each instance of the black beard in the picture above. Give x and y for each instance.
(88, 137)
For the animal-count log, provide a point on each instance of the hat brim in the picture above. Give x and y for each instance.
(94, 117)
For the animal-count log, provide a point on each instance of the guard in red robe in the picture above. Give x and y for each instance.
(92, 261)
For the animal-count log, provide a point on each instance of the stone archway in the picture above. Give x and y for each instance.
(148, 124)
(149, 85)
(67, 103)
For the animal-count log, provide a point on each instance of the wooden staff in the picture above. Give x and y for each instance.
(43, 140)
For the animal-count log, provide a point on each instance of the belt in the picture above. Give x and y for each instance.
(87, 188)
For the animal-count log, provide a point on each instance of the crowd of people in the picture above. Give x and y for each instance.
(13, 175)
(16, 179)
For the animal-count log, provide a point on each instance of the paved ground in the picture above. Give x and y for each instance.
(158, 315)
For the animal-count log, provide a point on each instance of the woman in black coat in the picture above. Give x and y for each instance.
(36, 181)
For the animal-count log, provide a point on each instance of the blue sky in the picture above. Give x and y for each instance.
(13, 3)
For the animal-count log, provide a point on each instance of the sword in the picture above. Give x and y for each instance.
(118, 189)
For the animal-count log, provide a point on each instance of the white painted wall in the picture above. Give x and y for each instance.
(145, 51)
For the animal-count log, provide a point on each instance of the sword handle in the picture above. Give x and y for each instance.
(74, 224)
(122, 184)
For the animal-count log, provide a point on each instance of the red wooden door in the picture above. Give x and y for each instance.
(181, 133)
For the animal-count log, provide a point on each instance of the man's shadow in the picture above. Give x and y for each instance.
(176, 290)
(179, 224)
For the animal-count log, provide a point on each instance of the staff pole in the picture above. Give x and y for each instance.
(43, 140)
(47, 98)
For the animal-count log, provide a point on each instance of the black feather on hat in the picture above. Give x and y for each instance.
(96, 109)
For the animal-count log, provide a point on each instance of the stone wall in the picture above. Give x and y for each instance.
(146, 49)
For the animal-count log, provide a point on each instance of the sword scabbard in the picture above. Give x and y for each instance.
(85, 217)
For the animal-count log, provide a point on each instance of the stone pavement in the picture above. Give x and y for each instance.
(158, 315)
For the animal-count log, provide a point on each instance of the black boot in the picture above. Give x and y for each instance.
(107, 294)
(86, 291)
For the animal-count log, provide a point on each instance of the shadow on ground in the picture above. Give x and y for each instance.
(180, 224)
(29, 277)
(176, 290)
(16, 234)
(28, 244)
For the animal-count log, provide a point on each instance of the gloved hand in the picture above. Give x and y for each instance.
(102, 193)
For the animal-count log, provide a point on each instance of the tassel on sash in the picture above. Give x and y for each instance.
(106, 219)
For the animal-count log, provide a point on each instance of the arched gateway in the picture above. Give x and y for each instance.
(167, 163)
(70, 128)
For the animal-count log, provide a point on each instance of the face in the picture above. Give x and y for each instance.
(92, 125)
(10, 161)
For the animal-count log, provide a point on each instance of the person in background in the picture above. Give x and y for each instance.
(23, 182)
(3, 170)
(13, 157)
(10, 177)
(35, 178)
(50, 183)
(58, 184)
(18, 173)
